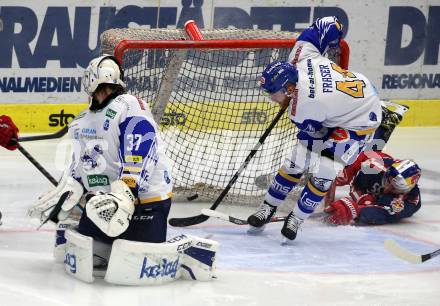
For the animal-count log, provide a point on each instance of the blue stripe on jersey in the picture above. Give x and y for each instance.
(309, 125)
(311, 35)
(137, 144)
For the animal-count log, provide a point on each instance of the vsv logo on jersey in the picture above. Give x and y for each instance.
(162, 269)
(106, 125)
(166, 177)
(90, 157)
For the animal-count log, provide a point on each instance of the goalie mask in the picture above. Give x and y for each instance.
(102, 70)
(276, 76)
(403, 175)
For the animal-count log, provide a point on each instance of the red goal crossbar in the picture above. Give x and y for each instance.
(197, 42)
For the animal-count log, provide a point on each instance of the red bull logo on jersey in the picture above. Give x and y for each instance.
(397, 205)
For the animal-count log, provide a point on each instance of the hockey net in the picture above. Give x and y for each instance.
(202, 86)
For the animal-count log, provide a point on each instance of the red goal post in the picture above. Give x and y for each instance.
(202, 87)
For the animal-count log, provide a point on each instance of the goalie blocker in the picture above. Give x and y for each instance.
(141, 263)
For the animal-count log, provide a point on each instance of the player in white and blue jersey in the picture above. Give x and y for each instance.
(336, 111)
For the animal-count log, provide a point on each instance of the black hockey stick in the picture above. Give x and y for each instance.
(235, 220)
(26, 154)
(57, 208)
(37, 165)
(397, 250)
(188, 221)
(238, 221)
(58, 134)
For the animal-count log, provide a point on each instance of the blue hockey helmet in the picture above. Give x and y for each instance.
(403, 175)
(276, 75)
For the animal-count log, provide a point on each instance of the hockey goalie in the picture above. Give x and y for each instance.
(119, 182)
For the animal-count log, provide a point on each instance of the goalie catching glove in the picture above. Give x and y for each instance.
(111, 212)
(57, 204)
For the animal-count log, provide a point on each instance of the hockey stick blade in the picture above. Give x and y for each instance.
(396, 249)
(238, 221)
(395, 107)
(57, 208)
(187, 221)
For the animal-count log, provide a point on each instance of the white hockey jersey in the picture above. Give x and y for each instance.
(120, 141)
(328, 96)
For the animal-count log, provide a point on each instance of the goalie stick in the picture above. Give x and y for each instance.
(395, 107)
(238, 221)
(188, 221)
(396, 249)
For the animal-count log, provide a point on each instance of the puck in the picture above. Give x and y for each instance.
(193, 197)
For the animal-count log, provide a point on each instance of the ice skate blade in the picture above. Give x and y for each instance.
(252, 230)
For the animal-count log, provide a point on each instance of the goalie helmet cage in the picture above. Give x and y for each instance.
(202, 87)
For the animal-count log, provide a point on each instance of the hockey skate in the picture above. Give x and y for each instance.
(290, 227)
(258, 220)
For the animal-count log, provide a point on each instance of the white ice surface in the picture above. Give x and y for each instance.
(324, 266)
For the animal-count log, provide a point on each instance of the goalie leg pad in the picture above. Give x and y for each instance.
(78, 259)
(59, 249)
(143, 263)
(199, 262)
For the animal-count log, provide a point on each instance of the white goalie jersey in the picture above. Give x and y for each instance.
(120, 141)
(329, 96)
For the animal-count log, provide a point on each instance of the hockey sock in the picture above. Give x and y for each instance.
(282, 184)
(309, 200)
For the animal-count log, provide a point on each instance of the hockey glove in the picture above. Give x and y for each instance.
(342, 179)
(8, 133)
(58, 203)
(111, 212)
(342, 212)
